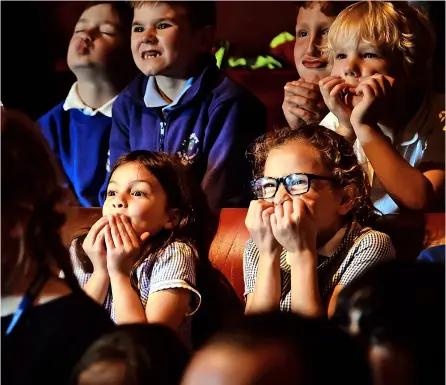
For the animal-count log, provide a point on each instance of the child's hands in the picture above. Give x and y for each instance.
(303, 103)
(331, 88)
(375, 92)
(123, 245)
(293, 227)
(94, 245)
(258, 224)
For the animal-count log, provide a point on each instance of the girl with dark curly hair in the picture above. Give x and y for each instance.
(308, 222)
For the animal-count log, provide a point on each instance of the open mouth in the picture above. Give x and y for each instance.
(150, 54)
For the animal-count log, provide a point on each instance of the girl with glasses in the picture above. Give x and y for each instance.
(308, 222)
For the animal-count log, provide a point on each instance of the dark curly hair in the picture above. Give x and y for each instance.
(32, 190)
(337, 156)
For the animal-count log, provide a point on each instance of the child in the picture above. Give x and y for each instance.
(142, 246)
(397, 311)
(306, 224)
(303, 102)
(380, 98)
(279, 348)
(133, 355)
(181, 103)
(78, 129)
(47, 321)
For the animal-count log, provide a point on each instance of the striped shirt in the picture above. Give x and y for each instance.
(356, 249)
(175, 267)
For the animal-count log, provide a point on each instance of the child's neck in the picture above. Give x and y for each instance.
(96, 93)
(170, 88)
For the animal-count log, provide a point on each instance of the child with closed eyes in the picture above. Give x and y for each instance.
(139, 259)
(308, 223)
(380, 97)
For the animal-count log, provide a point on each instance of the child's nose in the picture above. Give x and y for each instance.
(150, 36)
(312, 48)
(351, 68)
(119, 202)
(281, 195)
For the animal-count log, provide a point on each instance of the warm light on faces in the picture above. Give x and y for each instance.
(311, 34)
(162, 40)
(359, 62)
(96, 36)
(136, 193)
(322, 200)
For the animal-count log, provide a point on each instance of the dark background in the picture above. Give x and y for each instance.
(35, 36)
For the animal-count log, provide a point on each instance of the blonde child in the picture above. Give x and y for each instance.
(139, 259)
(303, 102)
(379, 95)
(306, 224)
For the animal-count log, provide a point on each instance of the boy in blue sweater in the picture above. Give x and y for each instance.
(183, 104)
(78, 129)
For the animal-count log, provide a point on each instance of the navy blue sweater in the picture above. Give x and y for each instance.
(211, 128)
(80, 143)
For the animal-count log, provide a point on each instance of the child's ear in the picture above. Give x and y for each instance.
(173, 219)
(206, 36)
(348, 199)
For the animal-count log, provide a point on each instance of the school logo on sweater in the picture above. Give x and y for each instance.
(189, 150)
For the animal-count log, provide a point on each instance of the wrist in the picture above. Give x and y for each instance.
(365, 132)
(305, 258)
(118, 276)
(100, 272)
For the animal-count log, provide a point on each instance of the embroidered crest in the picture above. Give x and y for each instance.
(189, 149)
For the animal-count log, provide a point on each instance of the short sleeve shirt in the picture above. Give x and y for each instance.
(358, 249)
(421, 144)
(175, 267)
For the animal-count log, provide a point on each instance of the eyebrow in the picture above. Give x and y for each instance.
(136, 181)
(136, 22)
(102, 23)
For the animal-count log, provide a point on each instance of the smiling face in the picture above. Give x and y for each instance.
(312, 27)
(163, 42)
(323, 201)
(133, 191)
(95, 40)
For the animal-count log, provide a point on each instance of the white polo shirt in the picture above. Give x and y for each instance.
(421, 142)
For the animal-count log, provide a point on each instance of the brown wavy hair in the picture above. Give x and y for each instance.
(337, 156)
(32, 190)
(173, 177)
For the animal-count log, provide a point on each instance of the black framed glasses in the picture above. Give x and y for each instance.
(295, 184)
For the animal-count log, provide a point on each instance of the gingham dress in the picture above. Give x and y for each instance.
(173, 268)
(359, 249)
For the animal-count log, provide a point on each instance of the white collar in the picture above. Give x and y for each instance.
(73, 100)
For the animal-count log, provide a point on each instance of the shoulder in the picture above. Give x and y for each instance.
(224, 90)
(132, 93)
(176, 253)
(229, 91)
(53, 114)
(369, 243)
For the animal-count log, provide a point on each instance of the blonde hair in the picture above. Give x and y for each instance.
(397, 27)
